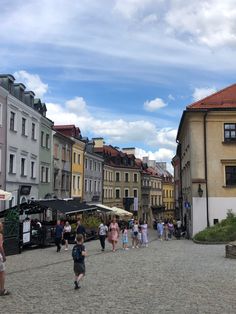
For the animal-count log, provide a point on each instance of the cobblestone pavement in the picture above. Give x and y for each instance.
(167, 277)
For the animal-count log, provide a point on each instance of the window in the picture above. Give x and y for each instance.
(90, 186)
(126, 177)
(230, 132)
(99, 167)
(90, 164)
(42, 138)
(73, 182)
(78, 182)
(12, 163)
(117, 193)
(117, 176)
(230, 175)
(95, 166)
(12, 121)
(79, 159)
(135, 193)
(68, 182)
(32, 169)
(47, 141)
(33, 135)
(68, 155)
(95, 186)
(126, 192)
(63, 182)
(55, 150)
(23, 167)
(63, 154)
(74, 157)
(86, 185)
(42, 174)
(86, 163)
(99, 186)
(47, 175)
(23, 125)
(135, 177)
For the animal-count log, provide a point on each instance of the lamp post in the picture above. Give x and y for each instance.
(200, 190)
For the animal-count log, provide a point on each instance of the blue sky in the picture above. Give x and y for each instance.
(120, 69)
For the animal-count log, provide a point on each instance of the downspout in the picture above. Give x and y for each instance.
(180, 199)
(206, 169)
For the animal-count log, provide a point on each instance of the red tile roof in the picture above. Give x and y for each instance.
(225, 98)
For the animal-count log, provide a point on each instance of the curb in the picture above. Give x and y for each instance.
(209, 243)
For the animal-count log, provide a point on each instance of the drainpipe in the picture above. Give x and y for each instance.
(206, 170)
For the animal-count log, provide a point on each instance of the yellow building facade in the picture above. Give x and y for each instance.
(77, 169)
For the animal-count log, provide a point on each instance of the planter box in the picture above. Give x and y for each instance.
(230, 250)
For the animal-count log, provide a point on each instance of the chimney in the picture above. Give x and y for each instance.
(129, 150)
(98, 141)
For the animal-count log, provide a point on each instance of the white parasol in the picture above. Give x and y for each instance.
(5, 196)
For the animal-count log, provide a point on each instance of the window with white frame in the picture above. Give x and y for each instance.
(74, 157)
(47, 141)
(86, 185)
(79, 159)
(23, 126)
(42, 174)
(126, 192)
(78, 182)
(86, 163)
(33, 131)
(12, 164)
(33, 174)
(90, 164)
(135, 177)
(47, 175)
(117, 191)
(23, 167)
(95, 166)
(12, 121)
(90, 186)
(73, 181)
(117, 176)
(126, 177)
(230, 175)
(135, 191)
(42, 138)
(95, 186)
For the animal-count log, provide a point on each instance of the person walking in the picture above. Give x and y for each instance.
(113, 233)
(66, 234)
(171, 229)
(160, 230)
(144, 232)
(3, 291)
(79, 253)
(102, 232)
(80, 229)
(166, 231)
(135, 232)
(58, 235)
(125, 240)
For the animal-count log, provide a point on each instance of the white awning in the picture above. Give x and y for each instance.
(121, 212)
(5, 196)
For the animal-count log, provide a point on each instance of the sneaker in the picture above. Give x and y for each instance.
(77, 285)
(132, 247)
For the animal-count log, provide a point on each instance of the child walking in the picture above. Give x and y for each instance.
(125, 238)
(79, 253)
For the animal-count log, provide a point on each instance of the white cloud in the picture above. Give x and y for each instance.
(32, 82)
(154, 104)
(115, 131)
(171, 97)
(162, 154)
(200, 93)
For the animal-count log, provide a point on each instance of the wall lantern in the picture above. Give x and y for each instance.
(200, 190)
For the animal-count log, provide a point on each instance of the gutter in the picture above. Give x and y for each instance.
(206, 168)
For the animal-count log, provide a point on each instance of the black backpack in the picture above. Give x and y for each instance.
(76, 253)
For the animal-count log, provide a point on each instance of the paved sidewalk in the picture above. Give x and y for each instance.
(167, 277)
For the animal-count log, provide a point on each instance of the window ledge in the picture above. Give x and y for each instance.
(229, 142)
(14, 131)
(12, 173)
(34, 139)
(229, 186)
(23, 175)
(24, 135)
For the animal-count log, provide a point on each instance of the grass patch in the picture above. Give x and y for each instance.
(225, 231)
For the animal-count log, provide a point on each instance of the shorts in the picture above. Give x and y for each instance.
(2, 266)
(79, 268)
(66, 236)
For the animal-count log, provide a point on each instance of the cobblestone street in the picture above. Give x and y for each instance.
(167, 277)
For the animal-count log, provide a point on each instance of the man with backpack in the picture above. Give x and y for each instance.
(78, 254)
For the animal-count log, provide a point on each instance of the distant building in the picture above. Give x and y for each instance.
(122, 178)
(77, 159)
(93, 173)
(62, 149)
(22, 139)
(206, 156)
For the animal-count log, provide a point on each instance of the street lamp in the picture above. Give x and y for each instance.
(200, 190)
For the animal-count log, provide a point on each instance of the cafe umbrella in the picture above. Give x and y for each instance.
(5, 196)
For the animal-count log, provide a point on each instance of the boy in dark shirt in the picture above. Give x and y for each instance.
(78, 254)
(58, 235)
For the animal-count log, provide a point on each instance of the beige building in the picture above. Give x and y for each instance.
(151, 188)
(121, 178)
(207, 159)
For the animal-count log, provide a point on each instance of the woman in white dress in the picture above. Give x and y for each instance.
(144, 231)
